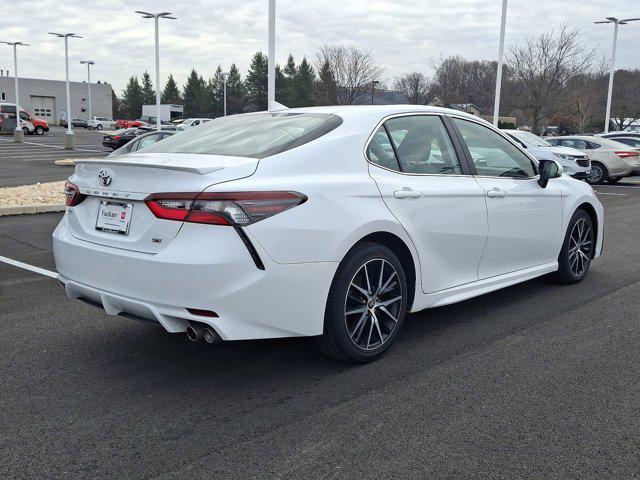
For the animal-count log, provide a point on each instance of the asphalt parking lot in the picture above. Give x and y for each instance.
(535, 381)
(33, 161)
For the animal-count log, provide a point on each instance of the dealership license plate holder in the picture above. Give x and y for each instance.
(114, 217)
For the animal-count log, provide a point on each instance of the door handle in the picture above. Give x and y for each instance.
(496, 193)
(407, 193)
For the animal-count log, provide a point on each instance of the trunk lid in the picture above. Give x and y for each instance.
(127, 181)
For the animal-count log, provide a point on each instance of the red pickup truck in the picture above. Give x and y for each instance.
(30, 125)
(129, 123)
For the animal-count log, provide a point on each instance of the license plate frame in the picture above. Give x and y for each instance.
(114, 217)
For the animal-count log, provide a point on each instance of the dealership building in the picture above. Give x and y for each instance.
(47, 99)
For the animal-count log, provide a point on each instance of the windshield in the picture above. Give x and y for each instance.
(530, 139)
(254, 135)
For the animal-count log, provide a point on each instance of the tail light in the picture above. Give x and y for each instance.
(627, 154)
(116, 137)
(73, 195)
(235, 209)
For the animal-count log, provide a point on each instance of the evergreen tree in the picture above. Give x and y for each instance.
(132, 98)
(290, 71)
(303, 83)
(171, 94)
(148, 94)
(217, 93)
(236, 92)
(282, 86)
(194, 95)
(326, 88)
(256, 83)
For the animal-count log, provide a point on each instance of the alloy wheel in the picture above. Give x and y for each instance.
(580, 246)
(596, 174)
(373, 304)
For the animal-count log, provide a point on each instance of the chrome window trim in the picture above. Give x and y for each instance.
(410, 114)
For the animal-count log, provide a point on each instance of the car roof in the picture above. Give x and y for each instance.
(375, 113)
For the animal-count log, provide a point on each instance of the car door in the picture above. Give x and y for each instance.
(429, 189)
(525, 220)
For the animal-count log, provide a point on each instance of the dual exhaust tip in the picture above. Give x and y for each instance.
(195, 333)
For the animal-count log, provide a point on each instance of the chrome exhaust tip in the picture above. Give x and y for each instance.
(194, 333)
(210, 335)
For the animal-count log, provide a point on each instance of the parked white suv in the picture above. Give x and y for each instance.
(331, 222)
(102, 123)
(574, 162)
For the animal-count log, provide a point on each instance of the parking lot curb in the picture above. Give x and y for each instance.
(31, 209)
(65, 162)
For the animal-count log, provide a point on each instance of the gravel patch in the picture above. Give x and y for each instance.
(33, 195)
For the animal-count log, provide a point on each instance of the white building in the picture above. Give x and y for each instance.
(47, 99)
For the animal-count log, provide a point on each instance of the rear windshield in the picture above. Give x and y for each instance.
(254, 135)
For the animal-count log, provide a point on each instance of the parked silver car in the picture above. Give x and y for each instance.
(610, 160)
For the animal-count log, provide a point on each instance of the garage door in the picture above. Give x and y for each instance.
(44, 107)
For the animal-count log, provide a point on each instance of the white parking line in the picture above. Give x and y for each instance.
(53, 146)
(31, 268)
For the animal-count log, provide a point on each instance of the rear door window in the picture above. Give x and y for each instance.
(417, 144)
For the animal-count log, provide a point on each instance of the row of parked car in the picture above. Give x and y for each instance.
(596, 158)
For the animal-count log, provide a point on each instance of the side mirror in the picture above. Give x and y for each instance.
(548, 169)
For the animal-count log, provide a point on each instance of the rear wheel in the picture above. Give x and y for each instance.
(39, 130)
(599, 174)
(577, 250)
(99, 126)
(366, 306)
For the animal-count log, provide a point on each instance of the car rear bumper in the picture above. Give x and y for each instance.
(206, 268)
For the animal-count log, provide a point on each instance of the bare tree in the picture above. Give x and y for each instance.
(543, 65)
(457, 80)
(354, 70)
(414, 86)
(625, 108)
(586, 97)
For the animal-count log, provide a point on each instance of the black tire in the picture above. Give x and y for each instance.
(337, 341)
(570, 270)
(614, 179)
(599, 174)
(26, 131)
(39, 130)
(99, 126)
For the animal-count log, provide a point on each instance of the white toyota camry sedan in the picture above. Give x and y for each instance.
(331, 222)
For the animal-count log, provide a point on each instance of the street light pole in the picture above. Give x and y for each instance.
(225, 78)
(18, 133)
(271, 82)
(69, 139)
(496, 104)
(157, 17)
(373, 89)
(89, 63)
(616, 23)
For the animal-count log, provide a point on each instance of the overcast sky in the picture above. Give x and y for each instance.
(403, 35)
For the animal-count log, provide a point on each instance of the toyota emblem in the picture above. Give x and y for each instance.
(104, 176)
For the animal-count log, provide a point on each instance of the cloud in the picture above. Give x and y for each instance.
(403, 36)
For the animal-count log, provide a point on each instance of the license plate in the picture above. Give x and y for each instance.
(114, 217)
(106, 139)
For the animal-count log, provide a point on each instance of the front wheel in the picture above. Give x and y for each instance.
(598, 175)
(366, 306)
(577, 250)
(99, 127)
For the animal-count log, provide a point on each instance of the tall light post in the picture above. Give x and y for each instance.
(373, 89)
(18, 134)
(89, 63)
(496, 104)
(69, 139)
(616, 23)
(271, 77)
(225, 79)
(156, 17)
